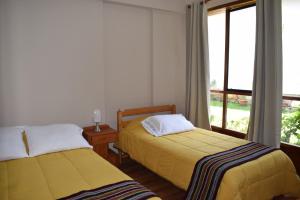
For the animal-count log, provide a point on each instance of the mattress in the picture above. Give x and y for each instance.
(174, 157)
(56, 175)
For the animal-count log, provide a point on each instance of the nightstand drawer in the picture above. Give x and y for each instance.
(103, 139)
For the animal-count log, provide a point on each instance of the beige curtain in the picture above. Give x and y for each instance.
(265, 119)
(197, 86)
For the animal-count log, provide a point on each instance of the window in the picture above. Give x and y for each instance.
(216, 29)
(231, 50)
(241, 48)
(216, 32)
(290, 132)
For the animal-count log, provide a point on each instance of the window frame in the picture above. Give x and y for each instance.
(226, 91)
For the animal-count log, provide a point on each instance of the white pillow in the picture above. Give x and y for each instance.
(54, 138)
(11, 143)
(160, 125)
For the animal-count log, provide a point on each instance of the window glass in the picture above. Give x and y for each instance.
(291, 47)
(238, 112)
(216, 40)
(216, 109)
(290, 126)
(241, 48)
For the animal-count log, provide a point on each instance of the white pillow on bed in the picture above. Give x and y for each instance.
(12, 145)
(160, 125)
(54, 138)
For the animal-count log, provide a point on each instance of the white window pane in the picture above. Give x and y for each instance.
(216, 109)
(291, 46)
(216, 40)
(242, 48)
(238, 112)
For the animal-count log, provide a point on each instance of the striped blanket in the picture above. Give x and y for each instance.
(209, 170)
(123, 190)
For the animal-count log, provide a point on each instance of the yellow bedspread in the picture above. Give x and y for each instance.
(174, 157)
(56, 175)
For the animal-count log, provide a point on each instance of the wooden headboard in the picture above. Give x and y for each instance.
(141, 111)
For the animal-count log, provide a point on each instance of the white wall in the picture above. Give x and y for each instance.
(168, 59)
(177, 6)
(60, 59)
(144, 54)
(50, 61)
(127, 57)
(213, 3)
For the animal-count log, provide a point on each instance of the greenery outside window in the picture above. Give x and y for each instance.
(231, 34)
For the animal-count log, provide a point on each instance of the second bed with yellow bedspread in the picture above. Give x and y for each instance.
(174, 157)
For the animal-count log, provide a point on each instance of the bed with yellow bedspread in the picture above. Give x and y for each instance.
(174, 157)
(56, 175)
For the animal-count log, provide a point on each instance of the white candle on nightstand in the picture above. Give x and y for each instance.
(97, 116)
(97, 119)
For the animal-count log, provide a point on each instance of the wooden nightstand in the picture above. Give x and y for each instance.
(100, 141)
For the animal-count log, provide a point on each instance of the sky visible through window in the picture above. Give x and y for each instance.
(241, 48)
(291, 46)
(216, 40)
(242, 43)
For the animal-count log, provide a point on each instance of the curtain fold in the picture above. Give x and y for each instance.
(265, 117)
(197, 85)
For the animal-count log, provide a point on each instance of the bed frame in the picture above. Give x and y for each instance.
(141, 111)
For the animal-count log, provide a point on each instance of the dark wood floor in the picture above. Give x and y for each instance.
(160, 186)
